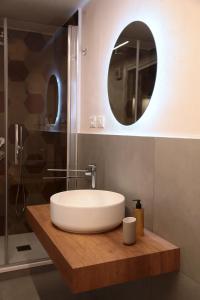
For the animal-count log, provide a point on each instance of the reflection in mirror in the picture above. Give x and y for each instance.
(132, 73)
(52, 100)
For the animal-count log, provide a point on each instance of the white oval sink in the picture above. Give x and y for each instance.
(87, 211)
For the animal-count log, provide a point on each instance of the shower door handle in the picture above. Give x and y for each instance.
(18, 142)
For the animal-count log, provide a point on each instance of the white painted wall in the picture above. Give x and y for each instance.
(174, 109)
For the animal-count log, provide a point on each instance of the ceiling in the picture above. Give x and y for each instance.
(47, 12)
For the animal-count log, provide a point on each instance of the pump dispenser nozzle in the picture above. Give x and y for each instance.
(138, 203)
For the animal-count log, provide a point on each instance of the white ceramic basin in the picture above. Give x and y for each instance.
(87, 211)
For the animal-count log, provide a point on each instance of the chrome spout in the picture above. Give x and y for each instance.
(90, 171)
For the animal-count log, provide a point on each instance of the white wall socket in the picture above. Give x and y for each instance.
(92, 121)
(100, 122)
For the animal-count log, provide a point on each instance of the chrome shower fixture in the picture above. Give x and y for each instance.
(2, 141)
(2, 152)
(1, 38)
(21, 194)
(18, 142)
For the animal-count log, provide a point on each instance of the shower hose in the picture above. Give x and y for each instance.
(20, 209)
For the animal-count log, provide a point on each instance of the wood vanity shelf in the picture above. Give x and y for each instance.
(88, 262)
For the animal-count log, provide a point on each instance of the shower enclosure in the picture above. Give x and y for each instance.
(37, 129)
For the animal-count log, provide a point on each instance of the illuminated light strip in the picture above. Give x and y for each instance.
(58, 117)
(121, 45)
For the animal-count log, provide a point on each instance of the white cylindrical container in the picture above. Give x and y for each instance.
(129, 230)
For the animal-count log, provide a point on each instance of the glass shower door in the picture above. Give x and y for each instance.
(33, 139)
(36, 139)
(72, 105)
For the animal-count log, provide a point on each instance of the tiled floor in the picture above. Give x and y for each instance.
(31, 285)
(45, 283)
(15, 240)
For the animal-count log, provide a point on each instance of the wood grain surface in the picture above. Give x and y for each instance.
(94, 261)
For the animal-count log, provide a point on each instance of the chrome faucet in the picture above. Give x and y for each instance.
(89, 171)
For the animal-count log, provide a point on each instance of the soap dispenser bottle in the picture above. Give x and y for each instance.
(138, 213)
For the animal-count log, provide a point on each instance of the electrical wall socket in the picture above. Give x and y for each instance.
(100, 122)
(92, 121)
(97, 122)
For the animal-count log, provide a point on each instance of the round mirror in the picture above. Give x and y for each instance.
(52, 99)
(132, 73)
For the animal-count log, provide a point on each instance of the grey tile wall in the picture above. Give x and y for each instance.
(124, 165)
(176, 209)
(165, 174)
(175, 287)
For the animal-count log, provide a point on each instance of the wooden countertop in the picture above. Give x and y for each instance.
(93, 261)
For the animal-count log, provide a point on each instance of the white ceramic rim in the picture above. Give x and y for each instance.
(120, 200)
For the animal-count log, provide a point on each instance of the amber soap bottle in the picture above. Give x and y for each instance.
(138, 213)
